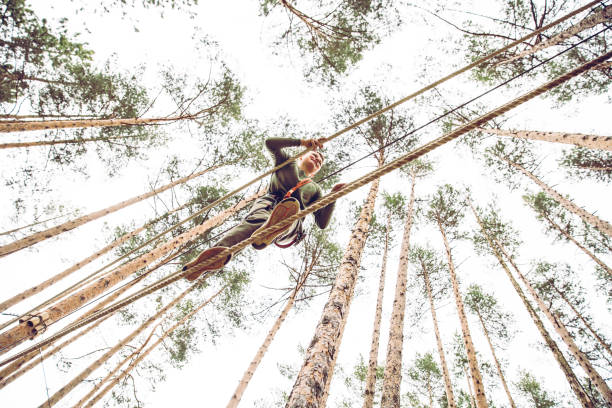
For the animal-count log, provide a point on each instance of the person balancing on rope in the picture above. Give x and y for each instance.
(290, 189)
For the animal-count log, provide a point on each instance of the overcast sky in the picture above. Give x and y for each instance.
(275, 88)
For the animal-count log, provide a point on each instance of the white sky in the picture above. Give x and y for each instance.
(276, 88)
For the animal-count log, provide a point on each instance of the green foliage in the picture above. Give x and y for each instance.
(426, 260)
(550, 211)
(486, 306)
(581, 163)
(497, 229)
(516, 20)
(517, 151)
(334, 35)
(446, 208)
(531, 389)
(425, 380)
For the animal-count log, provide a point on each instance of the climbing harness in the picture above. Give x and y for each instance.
(301, 183)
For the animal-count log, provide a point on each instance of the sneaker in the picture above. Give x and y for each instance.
(283, 210)
(197, 270)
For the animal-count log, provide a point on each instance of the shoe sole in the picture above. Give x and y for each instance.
(282, 211)
(205, 255)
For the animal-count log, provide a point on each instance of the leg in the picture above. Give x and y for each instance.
(245, 229)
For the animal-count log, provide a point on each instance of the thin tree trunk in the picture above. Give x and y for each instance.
(244, 382)
(56, 278)
(430, 392)
(370, 381)
(605, 345)
(497, 365)
(109, 299)
(595, 221)
(12, 337)
(140, 356)
(26, 126)
(53, 399)
(69, 225)
(588, 22)
(578, 244)
(575, 385)
(60, 141)
(481, 399)
(447, 381)
(30, 225)
(468, 379)
(311, 385)
(393, 365)
(41, 286)
(576, 139)
(562, 331)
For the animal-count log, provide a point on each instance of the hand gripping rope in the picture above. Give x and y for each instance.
(328, 199)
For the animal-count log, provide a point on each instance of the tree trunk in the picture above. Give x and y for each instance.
(447, 381)
(572, 239)
(588, 22)
(576, 139)
(595, 221)
(19, 363)
(56, 278)
(10, 338)
(53, 399)
(370, 381)
(140, 356)
(69, 225)
(562, 331)
(26, 126)
(312, 382)
(605, 345)
(393, 365)
(481, 399)
(30, 225)
(61, 141)
(575, 385)
(244, 382)
(468, 379)
(497, 365)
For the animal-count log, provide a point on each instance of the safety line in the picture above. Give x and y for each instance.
(375, 114)
(463, 105)
(328, 199)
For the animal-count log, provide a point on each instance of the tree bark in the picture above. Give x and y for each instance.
(53, 399)
(30, 225)
(393, 365)
(588, 22)
(576, 139)
(447, 381)
(69, 225)
(575, 385)
(481, 399)
(497, 365)
(244, 382)
(60, 141)
(11, 337)
(595, 221)
(310, 388)
(605, 345)
(468, 380)
(370, 382)
(140, 357)
(578, 244)
(562, 331)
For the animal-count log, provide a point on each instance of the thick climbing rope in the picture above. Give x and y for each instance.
(328, 199)
(364, 120)
(464, 104)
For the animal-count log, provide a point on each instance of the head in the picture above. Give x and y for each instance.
(310, 162)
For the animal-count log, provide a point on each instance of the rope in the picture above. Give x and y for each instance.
(463, 104)
(328, 199)
(372, 116)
